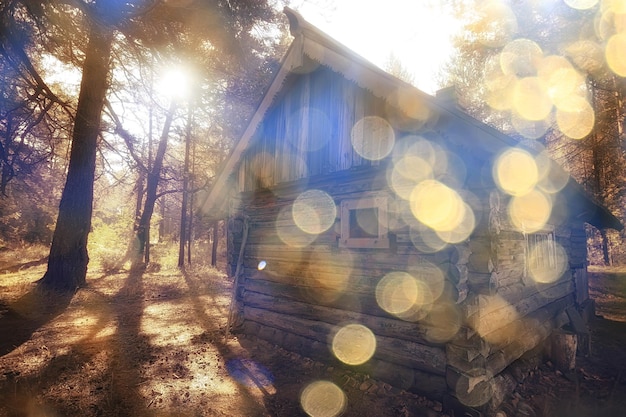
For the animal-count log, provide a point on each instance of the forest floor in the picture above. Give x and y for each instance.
(153, 343)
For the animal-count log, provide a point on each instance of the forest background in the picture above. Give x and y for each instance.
(115, 115)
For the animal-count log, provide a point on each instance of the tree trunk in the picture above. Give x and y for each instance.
(214, 243)
(152, 184)
(184, 204)
(67, 263)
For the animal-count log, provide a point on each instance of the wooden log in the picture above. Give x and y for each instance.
(393, 328)
(563, 349)
(494, 312)
(397, 351)
(473, 389)
(343, 300)
(495, 352)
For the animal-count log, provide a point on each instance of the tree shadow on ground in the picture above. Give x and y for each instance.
(24, 265)
(238, 367)
(22, 318)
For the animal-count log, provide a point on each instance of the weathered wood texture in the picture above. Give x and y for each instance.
(507, 313)
(309, 285)
(298, 139)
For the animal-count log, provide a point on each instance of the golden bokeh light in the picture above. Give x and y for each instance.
(463, 229)
(616, 6)
(547, 261)
(314, 211)
(497, 321)
(561, 79)
(437, 206)
(324, 280)
(289, 232)
(425, 239)
(530, 212)
(530, 98)
(515, 172)
(615, 57)
(354, 344)
(586, 55)
(552, 178)
(520, 57)
(575, 118)
(323, 399)
(404, 296)
(406, 173)
(497, 23)
(372, 137)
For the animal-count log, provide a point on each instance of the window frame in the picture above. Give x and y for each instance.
(381, 240)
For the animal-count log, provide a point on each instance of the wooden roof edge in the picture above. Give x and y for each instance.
(307, 38)
(594, 212)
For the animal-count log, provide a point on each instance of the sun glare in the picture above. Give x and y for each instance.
(175, 83)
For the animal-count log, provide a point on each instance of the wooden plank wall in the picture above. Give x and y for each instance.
(308, 131)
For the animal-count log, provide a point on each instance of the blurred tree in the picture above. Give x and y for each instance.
(86, 33)
(538, 71)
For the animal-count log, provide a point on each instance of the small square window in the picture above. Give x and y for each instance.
(364, 223)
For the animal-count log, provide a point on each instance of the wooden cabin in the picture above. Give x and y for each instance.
(374, 225)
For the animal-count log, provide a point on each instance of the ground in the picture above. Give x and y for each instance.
(154, 343)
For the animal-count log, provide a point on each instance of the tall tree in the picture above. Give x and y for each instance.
(85, 31)
(538, 71)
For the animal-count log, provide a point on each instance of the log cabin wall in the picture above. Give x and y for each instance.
(509, 312)
(297, 289)
(310, 287)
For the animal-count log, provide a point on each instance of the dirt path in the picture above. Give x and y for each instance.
(152, 344)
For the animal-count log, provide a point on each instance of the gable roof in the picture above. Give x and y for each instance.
(312, 44)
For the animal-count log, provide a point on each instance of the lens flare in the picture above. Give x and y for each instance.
(464, 228)
(261, 266)
(586, 55)
(354, 344)
(262, 167)
(314, 211)
(531, 129)
(318, 134)
(372, 137)
(515, 172)
(323, 399)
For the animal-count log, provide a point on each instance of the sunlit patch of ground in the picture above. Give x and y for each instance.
(153, 344)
